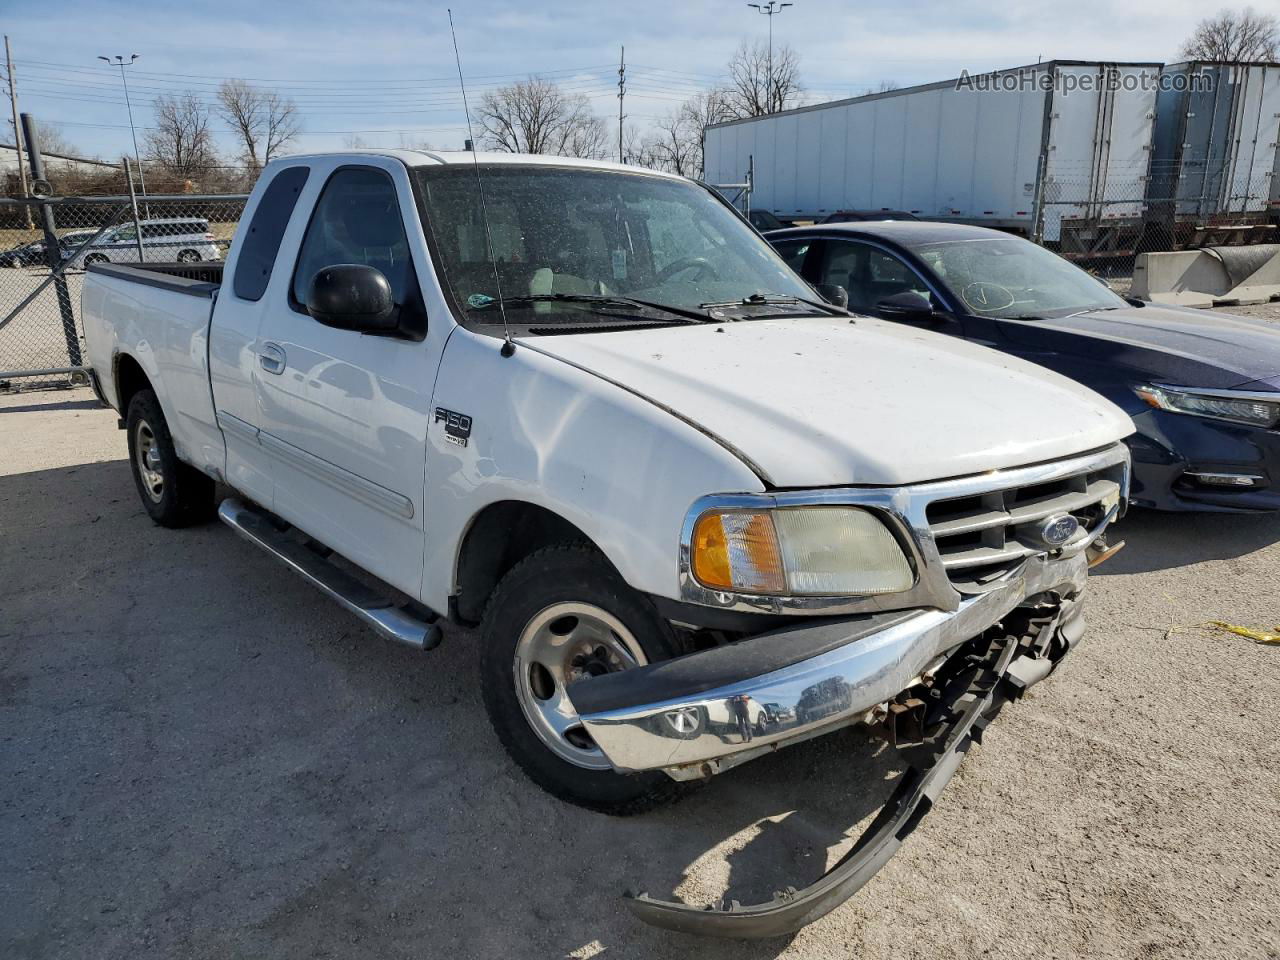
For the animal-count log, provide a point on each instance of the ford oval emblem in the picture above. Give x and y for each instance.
(1058, 529)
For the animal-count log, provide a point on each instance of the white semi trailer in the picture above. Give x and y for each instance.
(1057, 150)
(1215, 163)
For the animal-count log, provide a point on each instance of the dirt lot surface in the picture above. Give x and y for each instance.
(201, 757)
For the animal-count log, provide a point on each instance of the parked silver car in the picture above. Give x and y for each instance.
(186, 240)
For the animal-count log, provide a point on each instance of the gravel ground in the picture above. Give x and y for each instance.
(201, 757)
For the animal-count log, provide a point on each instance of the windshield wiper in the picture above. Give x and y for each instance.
(598, 299)
(771, 299)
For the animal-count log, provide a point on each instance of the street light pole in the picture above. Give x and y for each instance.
(121, 62)
(769, 9)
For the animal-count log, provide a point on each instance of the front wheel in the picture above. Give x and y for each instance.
(188, 256)
(562, 616)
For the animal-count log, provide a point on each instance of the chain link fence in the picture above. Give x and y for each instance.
(41, 330)
(1104, 228)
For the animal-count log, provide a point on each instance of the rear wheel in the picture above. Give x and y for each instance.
(188, 256)
(559, 617)
(173, 493)
(96, 258)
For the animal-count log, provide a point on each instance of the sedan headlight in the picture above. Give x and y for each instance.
(798, 551)
(1216, 406)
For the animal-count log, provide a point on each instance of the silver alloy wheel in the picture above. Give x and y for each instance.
(562, 644)
(150, 467)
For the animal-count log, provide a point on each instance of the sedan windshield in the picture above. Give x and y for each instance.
(570, 242)
(1013, 278)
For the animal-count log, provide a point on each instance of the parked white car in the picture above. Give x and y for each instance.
(697, 512)
(180, 239)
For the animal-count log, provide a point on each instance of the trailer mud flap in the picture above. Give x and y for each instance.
(972, 699)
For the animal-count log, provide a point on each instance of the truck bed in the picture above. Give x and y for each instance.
(195, 279)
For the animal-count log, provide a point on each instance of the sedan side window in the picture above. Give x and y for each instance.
(357, 220)
(869, 274)
(794, 252)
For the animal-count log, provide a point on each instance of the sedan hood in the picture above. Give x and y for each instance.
(1195, 347)
(813, 402)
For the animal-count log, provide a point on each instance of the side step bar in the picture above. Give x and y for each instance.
(394, 623)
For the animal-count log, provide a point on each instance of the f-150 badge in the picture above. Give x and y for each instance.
(457, 426)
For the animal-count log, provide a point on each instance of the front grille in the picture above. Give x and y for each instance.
(982, 537)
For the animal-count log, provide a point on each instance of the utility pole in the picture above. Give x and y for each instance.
(769, 9)
(17, 129)
(121, 62)
(622, 91)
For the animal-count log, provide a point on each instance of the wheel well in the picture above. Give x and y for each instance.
(130, 378)
(500, 536)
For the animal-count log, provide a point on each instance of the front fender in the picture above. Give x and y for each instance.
(613, 464)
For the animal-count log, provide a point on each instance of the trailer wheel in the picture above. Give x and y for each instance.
(173, 493)
(561, 616)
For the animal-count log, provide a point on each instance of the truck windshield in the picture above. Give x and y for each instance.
(563, 237)
(1014, 278)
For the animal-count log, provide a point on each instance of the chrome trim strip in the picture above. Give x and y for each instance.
(366, 491)
(903, 511)
(817, 695)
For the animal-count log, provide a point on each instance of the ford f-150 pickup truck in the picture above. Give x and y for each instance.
(697, 511)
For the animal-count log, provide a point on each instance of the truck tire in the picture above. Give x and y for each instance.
(560, 615)
(173, 493)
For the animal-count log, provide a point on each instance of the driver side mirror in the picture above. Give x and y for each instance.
(834, 293)
(353, 296)
(907, 305)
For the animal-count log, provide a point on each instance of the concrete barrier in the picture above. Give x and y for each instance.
(1209, 277)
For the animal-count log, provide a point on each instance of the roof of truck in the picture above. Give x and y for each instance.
(427, 158)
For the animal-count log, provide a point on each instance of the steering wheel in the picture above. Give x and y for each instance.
(701, 264)
(986, 297)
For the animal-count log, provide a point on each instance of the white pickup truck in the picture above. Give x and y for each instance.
(698, 512)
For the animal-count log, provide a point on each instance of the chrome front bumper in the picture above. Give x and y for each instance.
(731, 719)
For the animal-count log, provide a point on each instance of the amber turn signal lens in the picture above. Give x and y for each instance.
(737, 550)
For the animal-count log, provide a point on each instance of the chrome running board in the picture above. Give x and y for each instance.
(379, 612)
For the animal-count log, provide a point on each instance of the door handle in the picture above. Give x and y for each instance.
(272, 358)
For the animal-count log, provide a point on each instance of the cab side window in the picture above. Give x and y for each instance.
(260, 244)
(357, 220)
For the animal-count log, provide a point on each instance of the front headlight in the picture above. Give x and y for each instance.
(798, 551)
(1248, 410)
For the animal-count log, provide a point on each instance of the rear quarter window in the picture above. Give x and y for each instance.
(261, 240)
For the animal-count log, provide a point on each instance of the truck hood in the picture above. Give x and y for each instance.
(813, 402)
(1180, 344)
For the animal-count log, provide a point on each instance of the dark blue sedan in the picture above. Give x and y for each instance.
(1203, 388)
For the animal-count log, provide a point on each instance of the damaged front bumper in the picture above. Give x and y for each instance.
(697, 715)
(966, 693)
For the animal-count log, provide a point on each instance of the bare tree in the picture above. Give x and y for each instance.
(756, 87)
(263, 120)
(536, 116)
(884, 86)
(676, 140)
(180, 140)
(1235, 35)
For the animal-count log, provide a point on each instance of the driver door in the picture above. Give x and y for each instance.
(344, 414)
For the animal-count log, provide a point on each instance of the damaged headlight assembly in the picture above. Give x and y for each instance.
(802, 551)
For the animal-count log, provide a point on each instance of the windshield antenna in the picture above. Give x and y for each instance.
(508, 345)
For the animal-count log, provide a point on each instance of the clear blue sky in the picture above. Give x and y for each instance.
(383, 68)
